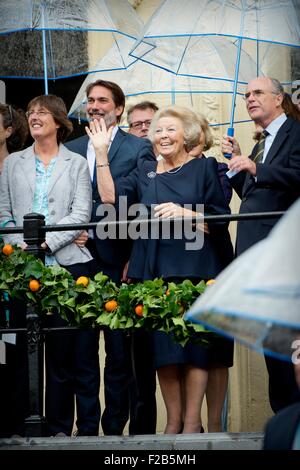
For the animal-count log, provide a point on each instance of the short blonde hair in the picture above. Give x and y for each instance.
(190, 122)
(208, 142)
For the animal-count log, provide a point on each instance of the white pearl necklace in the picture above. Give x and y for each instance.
(172, 172)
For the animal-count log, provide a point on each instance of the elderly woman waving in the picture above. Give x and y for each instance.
(179, 185)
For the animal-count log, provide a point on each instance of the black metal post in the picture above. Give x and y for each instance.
(33, 235)
(34, 424)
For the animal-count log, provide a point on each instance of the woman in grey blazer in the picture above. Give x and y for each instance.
(49, 179)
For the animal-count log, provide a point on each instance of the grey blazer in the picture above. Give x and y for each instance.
(69, 199)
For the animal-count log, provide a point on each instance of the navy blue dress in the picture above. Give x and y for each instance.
(196, 183)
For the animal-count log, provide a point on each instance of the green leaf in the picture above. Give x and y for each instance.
(101, 278)
(33, 269)
(115, 323)
(65, 283)
(103, 319)
(89, 315)
(179, 321)
(70, 302)
(129, 323)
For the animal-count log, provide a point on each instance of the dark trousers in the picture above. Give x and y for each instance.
(143, 411)
(116, 382)
(129, 383)
(72, 372)
(129, 374)
(14, 385)
(283, 389)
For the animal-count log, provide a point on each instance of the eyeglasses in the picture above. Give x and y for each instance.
(139, 124)
(38, 113)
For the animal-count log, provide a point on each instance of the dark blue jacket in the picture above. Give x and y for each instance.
(281, 428)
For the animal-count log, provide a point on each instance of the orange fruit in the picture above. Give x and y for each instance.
(210, 282)
(168, 292)
(111, 305)
(34, 285)
(7, 249)
(82, 280)
(139, 310)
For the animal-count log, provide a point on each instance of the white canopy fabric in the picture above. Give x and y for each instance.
(67, 28)
(259, 20)
(178, 34)
(140, 79)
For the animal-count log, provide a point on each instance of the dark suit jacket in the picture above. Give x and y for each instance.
(276, 188)
(125, 151)
(280, 430)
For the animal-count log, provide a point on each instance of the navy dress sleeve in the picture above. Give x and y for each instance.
(226, 186)
(134, 185)
(197, 187)
(215, 203)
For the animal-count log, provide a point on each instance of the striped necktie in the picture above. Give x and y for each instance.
(258, 157)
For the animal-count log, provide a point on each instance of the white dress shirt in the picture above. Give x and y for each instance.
(272, 129)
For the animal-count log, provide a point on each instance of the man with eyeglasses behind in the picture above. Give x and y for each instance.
(267, 180)
(139, 117)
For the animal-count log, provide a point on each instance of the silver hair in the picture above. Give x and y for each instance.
(277, 87)
(190, 123)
